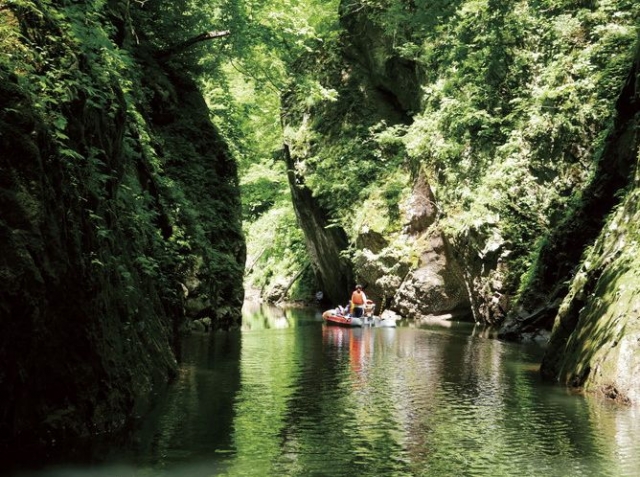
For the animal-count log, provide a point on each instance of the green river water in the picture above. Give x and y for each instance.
(290, 396)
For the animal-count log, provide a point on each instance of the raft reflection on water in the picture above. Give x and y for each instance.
(359, 342)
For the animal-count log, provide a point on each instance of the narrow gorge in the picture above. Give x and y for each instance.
(470, 161)
(491, 188)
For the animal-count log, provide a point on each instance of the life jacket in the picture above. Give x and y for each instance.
(356, 298)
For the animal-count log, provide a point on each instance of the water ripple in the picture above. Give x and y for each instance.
(322, 401)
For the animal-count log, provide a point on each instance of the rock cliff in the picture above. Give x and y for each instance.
(594, 342)
(527, 155)
(115, 192)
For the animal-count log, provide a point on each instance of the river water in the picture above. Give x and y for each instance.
(289, 396)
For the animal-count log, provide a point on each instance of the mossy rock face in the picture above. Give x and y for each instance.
(436, 286)
(594, 344)
(91, 300)
(84, 350)
(602, 354)
(560, 262)
(369, 46)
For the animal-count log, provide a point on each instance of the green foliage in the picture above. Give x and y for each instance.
(244, 81)
(15, 53)
(148, 223)
(515, 102)
(263, 186)
(277, 250)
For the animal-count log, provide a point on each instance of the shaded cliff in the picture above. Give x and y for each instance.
(325, 244)
(562, 252)
(594, 342)
(116, 195)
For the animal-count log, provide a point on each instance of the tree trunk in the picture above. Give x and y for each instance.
(180, 47)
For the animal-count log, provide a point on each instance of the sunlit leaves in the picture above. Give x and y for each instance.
(244, 81)
(516, 97)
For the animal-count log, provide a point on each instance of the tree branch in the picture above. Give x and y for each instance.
(293, 280)
(180, 47)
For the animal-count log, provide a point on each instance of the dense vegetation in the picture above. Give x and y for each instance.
(129, 128)
(508, 106)
(245, 92)
(120, 214)
(520, 118)
(517, 116)
(503, 108)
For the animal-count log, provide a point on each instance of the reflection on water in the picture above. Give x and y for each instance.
(290, 396)
(256, 316)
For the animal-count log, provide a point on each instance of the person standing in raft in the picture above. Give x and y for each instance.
(358, 299)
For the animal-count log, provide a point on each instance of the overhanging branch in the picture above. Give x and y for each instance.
(180, 47)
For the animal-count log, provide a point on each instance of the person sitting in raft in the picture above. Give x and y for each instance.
(358, 299)
(369, 307)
